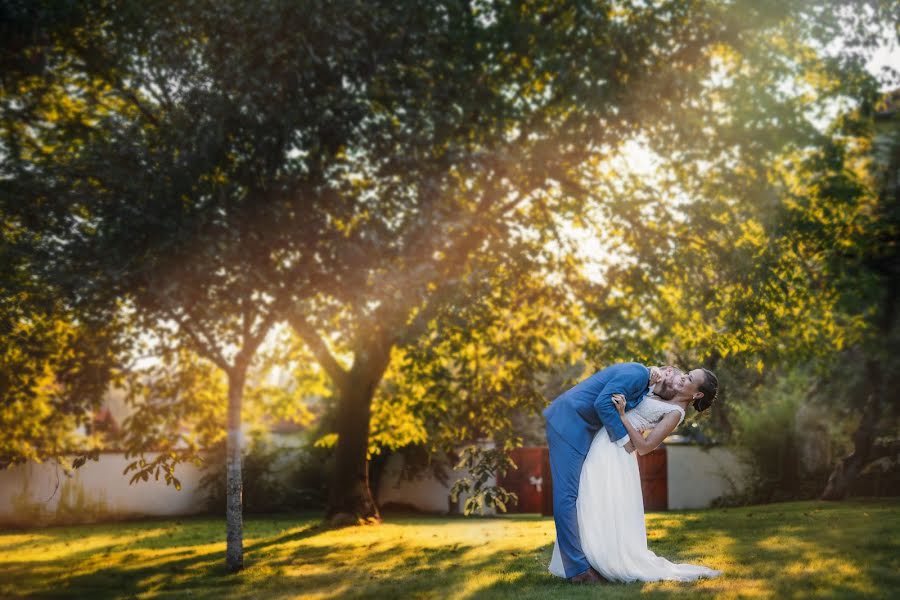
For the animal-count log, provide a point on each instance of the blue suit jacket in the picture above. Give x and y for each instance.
(578, 413)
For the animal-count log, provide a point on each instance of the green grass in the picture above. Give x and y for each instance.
(794, 550)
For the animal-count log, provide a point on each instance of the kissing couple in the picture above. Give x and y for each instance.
(597, 503)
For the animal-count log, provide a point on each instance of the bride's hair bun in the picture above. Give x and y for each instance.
(710, 389)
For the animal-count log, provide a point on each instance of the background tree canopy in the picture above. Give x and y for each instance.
(407, 187)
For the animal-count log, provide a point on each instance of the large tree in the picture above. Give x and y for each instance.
(473, 148)
(857, 177)
(55, 363)
(493, 131)
(776, 254)
(174, 174)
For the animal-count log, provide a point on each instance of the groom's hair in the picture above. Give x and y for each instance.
(710, 389)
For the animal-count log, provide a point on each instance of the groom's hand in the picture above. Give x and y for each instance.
(629, 446)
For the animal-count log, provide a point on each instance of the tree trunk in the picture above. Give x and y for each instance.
(234, 550)
(350, 500)
(846, 471)
(877, 388)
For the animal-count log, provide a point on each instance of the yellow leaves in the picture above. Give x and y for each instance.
(394, 425)
(329, 440)
(218, 176)
(722, 218)
(838, 342)
(752, 234)
(819, 80)
(722, 53)
(670, 294)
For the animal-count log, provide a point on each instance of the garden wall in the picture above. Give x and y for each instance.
(41, 494)
(697, 475)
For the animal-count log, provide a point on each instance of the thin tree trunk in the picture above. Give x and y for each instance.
(234, 550)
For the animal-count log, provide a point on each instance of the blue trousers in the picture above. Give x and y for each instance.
(565, 468)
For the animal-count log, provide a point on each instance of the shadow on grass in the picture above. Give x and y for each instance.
(798, 550)
(152, 558)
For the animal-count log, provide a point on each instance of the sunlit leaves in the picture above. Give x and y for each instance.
(738, 251)
(53, 374)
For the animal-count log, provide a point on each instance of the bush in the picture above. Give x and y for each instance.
(261, 490)
(773, 434)
(275, 479)
(307, 478)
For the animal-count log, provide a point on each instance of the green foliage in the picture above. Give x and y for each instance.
(308, 477)
(767, 437)
(55, 365)
(176, 411)
(481, 466)
(275, 478)
(481, 371)
(481, 362)
(52, 377)
(261, 490)
(742, 251)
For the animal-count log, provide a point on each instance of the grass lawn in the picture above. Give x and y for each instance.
(794, 550)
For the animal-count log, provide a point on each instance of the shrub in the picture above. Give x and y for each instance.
(261, 490)
(275, 479)
(773, 432)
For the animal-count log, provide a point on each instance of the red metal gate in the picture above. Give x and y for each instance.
(532, 482)
(654, 481)
(529, 481)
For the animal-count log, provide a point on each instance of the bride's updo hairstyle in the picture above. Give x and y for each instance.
(710, 389)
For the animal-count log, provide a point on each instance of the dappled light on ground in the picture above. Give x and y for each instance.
(802, 550)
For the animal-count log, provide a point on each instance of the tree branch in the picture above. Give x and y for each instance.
(137, 103)
(252, 339)
(326, 359)
(202, 344)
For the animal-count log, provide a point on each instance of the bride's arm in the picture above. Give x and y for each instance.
(646, 445)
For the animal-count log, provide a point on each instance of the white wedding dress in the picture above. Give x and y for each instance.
(611, 510)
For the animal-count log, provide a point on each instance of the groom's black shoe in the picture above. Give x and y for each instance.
(589, 576)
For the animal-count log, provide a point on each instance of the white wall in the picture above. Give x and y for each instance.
(98, 491)
(424, 493)
(698, 475)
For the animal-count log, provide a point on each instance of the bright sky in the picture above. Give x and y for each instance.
(637, 158)
(885, 56)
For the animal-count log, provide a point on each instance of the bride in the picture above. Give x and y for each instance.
(610, 506)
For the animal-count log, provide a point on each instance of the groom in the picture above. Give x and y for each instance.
(572, 420)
